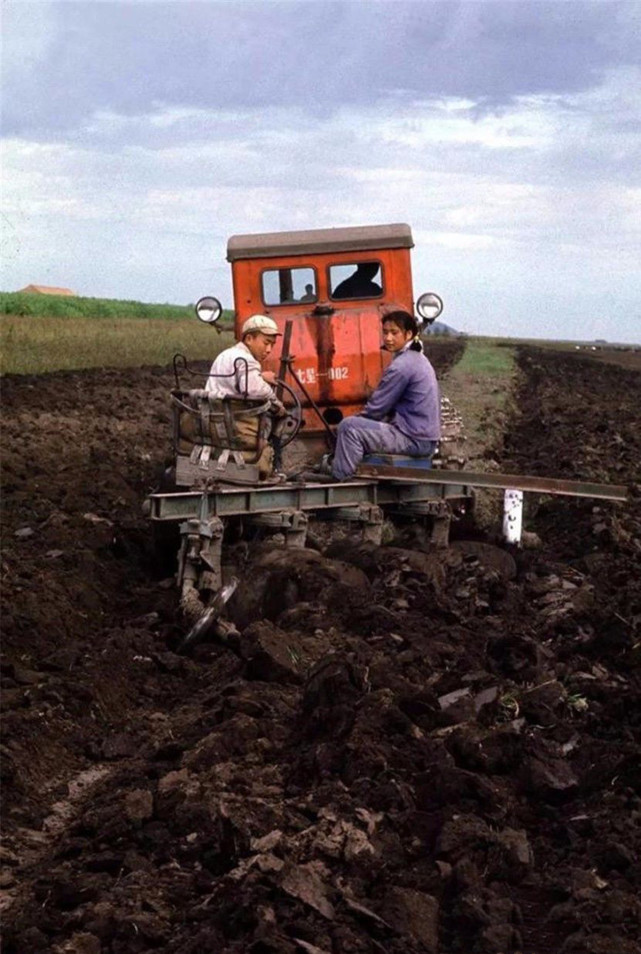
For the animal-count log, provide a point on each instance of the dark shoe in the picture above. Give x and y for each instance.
(325, 464)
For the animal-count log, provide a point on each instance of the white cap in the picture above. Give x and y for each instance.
(262, 323)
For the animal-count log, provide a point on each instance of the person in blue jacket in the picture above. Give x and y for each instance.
(403, 414)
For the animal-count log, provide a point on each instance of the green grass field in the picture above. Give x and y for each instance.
(43, 333)
(71, 333)
(64, 306)
(481, 386)
(487, 356)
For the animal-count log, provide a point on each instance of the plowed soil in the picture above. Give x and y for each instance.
(406, 751)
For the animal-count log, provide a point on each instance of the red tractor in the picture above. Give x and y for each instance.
(327, 290)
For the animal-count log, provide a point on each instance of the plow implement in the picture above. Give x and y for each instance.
(285, 508)
(336, 307)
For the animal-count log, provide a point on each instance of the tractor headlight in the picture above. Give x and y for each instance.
(209, 309)
(429, 306)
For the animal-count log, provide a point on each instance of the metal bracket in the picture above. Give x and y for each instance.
(199, 562)
(440, 535)
(291, 523)
(369, 516)
(427, 508)
(440, 513)
(223, 459)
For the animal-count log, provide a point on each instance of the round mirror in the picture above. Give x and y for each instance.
(209, 309)
(429, 306)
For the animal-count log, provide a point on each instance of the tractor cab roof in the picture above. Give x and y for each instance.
(360, 238)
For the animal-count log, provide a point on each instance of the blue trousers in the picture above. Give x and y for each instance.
(358, 436)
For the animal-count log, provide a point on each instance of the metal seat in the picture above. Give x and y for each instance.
(220, 438)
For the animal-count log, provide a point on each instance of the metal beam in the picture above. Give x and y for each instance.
(238, 501)
(542, 485)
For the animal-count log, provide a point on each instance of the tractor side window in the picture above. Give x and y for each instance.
(359, 280)
(288, 286)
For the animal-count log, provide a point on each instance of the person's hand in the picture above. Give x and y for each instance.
(280, 410)
(269, 376)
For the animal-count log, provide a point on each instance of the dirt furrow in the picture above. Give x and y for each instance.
(405, 752)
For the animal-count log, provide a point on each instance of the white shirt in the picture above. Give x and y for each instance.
(242, 375)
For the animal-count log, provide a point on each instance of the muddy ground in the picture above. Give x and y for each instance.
(407, 751)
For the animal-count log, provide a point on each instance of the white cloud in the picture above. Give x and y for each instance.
(29, 32)
(541, 194)
(466, 241)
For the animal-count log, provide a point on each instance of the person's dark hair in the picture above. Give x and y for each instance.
(406, 322)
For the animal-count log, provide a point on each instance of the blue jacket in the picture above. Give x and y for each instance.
(408, 397)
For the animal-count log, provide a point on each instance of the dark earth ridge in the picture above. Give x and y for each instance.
(408, 752)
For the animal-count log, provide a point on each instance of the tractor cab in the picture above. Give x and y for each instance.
(327, 290)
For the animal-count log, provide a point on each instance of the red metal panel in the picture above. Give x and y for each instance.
(337, 355)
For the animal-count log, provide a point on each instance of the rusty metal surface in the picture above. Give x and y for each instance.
(312, 241)
(543, 485)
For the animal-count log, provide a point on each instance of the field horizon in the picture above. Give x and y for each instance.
(41, 333)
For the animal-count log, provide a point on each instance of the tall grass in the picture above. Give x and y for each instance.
(37, 344)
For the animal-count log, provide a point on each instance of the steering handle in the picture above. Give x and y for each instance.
(295, 414)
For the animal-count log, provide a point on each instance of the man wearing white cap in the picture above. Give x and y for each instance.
(236, 376)
(236, 372)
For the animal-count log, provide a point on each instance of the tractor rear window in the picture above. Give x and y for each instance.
(359, 280)
(288, 286)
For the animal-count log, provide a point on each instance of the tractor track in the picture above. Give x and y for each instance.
(411, 753)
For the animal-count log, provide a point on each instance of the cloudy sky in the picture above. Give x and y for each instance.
(137, 136)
